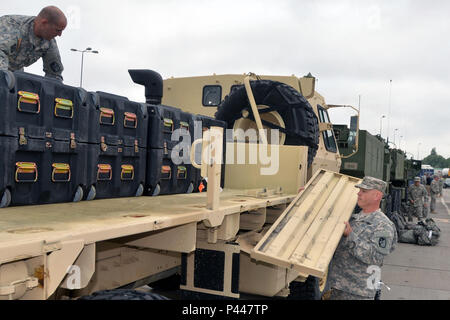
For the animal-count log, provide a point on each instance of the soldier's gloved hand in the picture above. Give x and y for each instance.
(348, 229)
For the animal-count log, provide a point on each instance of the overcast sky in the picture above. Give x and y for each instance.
(354, 48)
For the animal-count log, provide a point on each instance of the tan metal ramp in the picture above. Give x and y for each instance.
(306, 235)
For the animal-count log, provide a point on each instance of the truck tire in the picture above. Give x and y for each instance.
(171, 283)
(301, 123)
(123, 294)
(311, 289)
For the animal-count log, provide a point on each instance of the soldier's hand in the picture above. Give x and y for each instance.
(425, 205)
(348, 229)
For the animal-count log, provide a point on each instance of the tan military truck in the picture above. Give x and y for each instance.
(222, 242)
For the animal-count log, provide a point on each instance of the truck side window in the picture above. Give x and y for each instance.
(212, 96)
(328, 136)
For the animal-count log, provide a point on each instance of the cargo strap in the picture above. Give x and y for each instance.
(63, 108)
(22, 139)
(104, 169)
(60, 169)
(73, 143)
(127, 172)
(130, 120)
(103, 145)
(107, 116)
(166, 172)
(28, 98)
(24, 169)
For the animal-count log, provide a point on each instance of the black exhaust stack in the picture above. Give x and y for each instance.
(153, 83)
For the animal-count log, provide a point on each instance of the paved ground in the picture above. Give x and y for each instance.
(415, 272)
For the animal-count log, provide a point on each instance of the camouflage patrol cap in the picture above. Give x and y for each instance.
(417, 179)
(371, 183)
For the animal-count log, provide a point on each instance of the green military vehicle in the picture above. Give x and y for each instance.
(375, 158)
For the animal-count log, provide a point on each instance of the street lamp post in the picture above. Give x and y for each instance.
(87, 50)
(395, 131)
(418, 149)
(400, 143)
(381, 123)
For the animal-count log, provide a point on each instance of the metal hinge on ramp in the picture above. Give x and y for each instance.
(306, 235)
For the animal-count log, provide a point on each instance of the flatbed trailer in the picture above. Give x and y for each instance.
(55, 235)
(222, 242)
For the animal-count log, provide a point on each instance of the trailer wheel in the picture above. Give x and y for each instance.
(280, 106)
(91, 194)
(5, 199)
(123, 294)
(78, 194)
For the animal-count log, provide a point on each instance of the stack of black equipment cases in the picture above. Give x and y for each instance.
(117, 147)
(43, 138)
(169, 140)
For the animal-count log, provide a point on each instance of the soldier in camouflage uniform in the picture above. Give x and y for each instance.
(434, 192)
(368, 237)
(25, 39)
(418, 198)
(441, 185)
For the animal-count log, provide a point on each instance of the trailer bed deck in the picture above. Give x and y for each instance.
(24, 230)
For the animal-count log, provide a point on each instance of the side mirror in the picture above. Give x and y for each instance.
(353, 134)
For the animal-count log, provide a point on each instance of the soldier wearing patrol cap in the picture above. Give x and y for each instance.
(25, 39)
(368, 237)
(418, 198)
(434, 193)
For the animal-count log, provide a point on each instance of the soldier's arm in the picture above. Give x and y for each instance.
(53, 67)
(425, 195)
(7, 41)
(410, 198)
(373, 249)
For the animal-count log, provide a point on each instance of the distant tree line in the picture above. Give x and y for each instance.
(436, 161)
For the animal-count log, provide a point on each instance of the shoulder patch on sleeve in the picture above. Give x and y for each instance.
(383, 242)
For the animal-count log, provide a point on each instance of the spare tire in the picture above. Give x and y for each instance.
(301, 125)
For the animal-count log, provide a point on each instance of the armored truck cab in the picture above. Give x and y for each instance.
(368, 161)
(204, 95)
